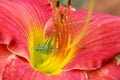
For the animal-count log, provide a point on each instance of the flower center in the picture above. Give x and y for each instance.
(50, 55)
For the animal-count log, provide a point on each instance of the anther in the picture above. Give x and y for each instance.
(69, 3)
(57, 4)
(63, 16)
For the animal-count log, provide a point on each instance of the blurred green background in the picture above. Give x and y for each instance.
(75, 3)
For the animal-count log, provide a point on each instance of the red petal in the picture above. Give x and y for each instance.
(16, 19)
(19, 69)
(101, 42)
(4, 53)
(110, 71)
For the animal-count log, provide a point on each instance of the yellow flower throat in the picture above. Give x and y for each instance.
(51, 55)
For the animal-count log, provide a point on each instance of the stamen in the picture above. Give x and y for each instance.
(69, 3)
(56, 5)
(63, 16)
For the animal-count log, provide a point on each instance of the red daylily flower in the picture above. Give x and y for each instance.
(37, 45)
